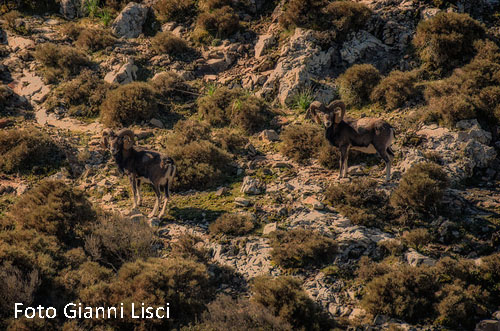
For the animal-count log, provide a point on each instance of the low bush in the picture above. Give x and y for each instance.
(347, 16)
(230, 140)
(114, 241)
(60, 61)
(284, 298)
(129, 103)
(301, 142)
(81, 96)
(219, 23)
(167, 42)
(357, 83)
(200, 164)
(179, 282)
(170, 85)
(447, 40)
(303, 13)
(210, 5)
(94, 39)
(417, 238)
(180, 11)
(232, 224)
(420, 190)
(71, 30)
(299, 248)
(28, 152)
(360, 201)
(225, 313)
(56, 209)
(235, 108)
(470, 92)
(190, 130)
(396, 89)
(14, 22)
(455, 293)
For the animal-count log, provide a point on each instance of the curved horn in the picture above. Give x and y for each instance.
(337, 104)
(313, 107)
(129, 138)
(106, 133)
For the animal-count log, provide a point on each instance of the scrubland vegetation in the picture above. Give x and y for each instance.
(57, 245)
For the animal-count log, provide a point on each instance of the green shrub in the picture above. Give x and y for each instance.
(303, 13)
(347, 16)
(284, 297)
(396, 89)
(94, 39)
(60, 60)
(56, 209)
(471, 91)
(357, 83)
(447, 40)
(71, 30)
(406, 293)
(234, 107)
(210, 5)
(82, 96)
(28, 152)
(230, 140)
(129, 103)
(169, 85)
(301, 142)
(190, 130)
(13, 22)
(225, 313)
(360, 201)
(232, 224)
(220, 22)
(167, 42)
(181, 283)
(417, 238)
(421, 189)
(180, 11)
(200, 164)
(299, 248)
(115, 240)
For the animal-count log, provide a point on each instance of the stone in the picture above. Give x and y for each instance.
(222, 191)
(415, 259)
(122, 74)
(156, 122)
(251, 186)
(264, 43)
(31, 87)
(269, 228)
(241, 202)
(269, 135)
(301, 60)
(362, 47)
(71, 9)
(488, 325)
(128, 24)
(19, 43)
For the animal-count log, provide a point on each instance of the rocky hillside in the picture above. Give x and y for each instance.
(260, 233)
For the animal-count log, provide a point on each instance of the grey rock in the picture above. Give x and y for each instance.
(251, 186)
(242, 202)
(156, 122)
(264, 43)
(129, 22)
(269, 135)
(71, 9)
(415, 259)
(122, 73)
(362, 47)
(269, 228)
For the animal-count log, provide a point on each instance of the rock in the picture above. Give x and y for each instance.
(72, 8)
(415, 259)
(488, 325)
(241, 202)
(129, 22)
(251, 186)
(301, 61)
(19, 43)
(3, 36)
(269, 228)
(122, 74)
(357, 314)
(154, 222)
(31, 87)
(213, 65)
(5, 122)
(222, 191)
(156, 122)
(21, 188)
(471, 142)
(496, 315)
(427, 13)
(264, 43)
(269, 135)
(362, 47)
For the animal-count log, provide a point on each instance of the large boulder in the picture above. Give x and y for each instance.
(301, 61)
(129, 22)
(362, 47)
(264, 43)
(460, 151)
(72, 8)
